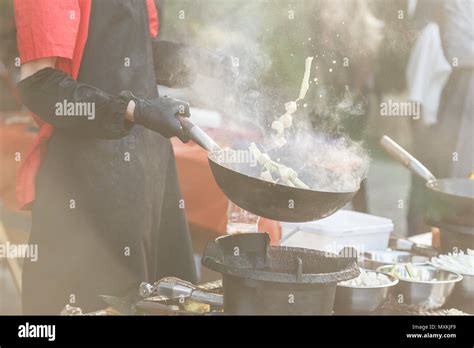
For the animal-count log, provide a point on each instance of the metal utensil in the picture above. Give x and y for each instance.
(128, 306)
(448, 200)
(353, 299)
(174, 287)
(404, 244)
(264, 198)
(431, 291)
(463, 293)
(376, 258)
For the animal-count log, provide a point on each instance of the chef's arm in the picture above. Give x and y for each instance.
(29, 68)
(68, 104)
(83, 109)
(34, 66)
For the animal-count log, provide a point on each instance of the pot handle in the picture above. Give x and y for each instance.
(404, 157)
(197, 135)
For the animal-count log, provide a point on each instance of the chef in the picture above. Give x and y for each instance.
(107, 212)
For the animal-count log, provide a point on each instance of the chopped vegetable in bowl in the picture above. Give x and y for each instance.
(458, 262)
(367, 279)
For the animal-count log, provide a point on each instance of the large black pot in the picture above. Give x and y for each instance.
(263, 279)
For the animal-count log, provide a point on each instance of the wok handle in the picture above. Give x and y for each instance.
(197, 135)
(404, 157)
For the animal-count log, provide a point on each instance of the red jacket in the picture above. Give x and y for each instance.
(53, 28)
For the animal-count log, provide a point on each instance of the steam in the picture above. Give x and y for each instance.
(328, 163)
(323, 159)
(233, 86)
(317, 150)
(362, 33)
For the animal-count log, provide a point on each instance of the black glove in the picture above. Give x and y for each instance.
(45, 89)
(161, 115)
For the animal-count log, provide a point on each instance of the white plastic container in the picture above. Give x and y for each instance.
(363, 232)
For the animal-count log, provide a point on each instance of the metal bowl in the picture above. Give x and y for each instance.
(376, 258)
(430, 292)
(463, 294)
(355, 299)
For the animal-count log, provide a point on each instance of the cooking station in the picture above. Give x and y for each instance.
(167, 163)
(261, 279)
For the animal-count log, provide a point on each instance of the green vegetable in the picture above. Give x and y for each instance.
(410, 271)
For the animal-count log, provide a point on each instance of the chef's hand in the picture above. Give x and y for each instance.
(161, 115)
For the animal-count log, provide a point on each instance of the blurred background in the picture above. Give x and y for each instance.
(362, 51)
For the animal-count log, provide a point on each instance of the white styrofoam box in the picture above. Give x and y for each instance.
(344, 228)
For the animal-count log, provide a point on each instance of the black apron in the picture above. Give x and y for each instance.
(108, 213)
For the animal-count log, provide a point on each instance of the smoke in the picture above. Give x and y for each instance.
(325, 162)
(357, 29)
(231, 67)
(318, 146)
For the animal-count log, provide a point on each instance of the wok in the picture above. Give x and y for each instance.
(263, 198)
(449, 200)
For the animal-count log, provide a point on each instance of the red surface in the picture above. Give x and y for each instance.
(13, 139)
(153, 16)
